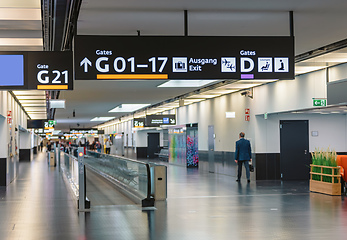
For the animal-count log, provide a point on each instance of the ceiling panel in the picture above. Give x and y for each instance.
(92, 99)
(34, 103)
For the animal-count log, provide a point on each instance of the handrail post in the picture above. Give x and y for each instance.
(81, 180)
(58, 156)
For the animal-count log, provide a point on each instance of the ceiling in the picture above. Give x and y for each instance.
(21, 30)
(316, 23)
(214, 18)
(20, 25)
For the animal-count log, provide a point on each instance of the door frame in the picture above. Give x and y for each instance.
(307, 146)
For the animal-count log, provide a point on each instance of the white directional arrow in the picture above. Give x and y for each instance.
(86, 62)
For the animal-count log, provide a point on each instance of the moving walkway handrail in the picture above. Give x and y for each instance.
(149, 186)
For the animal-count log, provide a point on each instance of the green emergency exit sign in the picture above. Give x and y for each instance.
(52, 122)
(319, 102)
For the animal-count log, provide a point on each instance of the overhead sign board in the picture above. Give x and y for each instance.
(37, 123)
(120, 57)
(86, 131)
(36, 70)
(159, 120)
(139, 122)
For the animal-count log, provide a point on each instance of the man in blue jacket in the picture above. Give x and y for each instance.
(243, 154)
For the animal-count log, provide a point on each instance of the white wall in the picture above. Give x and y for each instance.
(24, 140)
(141, 137)
(272, 98)
(7, 103)
(3, 135)
(286, 95)
(338, 73)
(332, 130)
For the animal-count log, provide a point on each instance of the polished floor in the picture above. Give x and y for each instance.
(200, 206)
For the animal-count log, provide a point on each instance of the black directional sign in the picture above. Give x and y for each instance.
(159, 120)
(36, 70)
(50, 70)
(120, 57)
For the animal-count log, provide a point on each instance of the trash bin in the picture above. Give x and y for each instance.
(159, 182)
(52, 159)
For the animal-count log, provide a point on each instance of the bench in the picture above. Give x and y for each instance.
(163, 154)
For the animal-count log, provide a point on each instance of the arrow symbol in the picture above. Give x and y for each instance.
(86, 62)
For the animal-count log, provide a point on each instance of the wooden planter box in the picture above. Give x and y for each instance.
(326, 187)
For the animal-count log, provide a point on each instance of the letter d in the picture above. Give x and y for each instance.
(243, 62)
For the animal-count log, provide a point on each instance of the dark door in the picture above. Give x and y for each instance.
(153, 145)
(294, 147)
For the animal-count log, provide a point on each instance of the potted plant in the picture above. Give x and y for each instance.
(325, 174)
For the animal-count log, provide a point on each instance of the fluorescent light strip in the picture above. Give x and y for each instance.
(31, 97)
(128, 107)
(33, 105)
(20, 14)
(203, 96)
(21, 42)
(101, 119)
(30, 92)
(186, 83)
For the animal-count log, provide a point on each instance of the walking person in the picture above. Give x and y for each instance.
(243, 154)
(108, 146)
(98, 146)
(49, 146)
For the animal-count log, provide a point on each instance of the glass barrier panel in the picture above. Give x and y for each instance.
(129, 172)
(69, 167)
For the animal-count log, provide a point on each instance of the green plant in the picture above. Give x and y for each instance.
(324, 158)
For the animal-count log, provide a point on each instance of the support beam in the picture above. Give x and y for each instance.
(291, 23)
(186, 23)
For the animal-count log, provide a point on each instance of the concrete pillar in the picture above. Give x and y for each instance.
(25, 148)
(3, 151)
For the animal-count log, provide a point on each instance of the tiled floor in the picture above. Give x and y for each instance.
(199, 206)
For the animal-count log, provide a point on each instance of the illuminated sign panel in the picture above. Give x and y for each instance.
(120, 57)
(36, 70)
(11, 70)
(139, 122)
(50, 71)
(86, 131)
(159, 120)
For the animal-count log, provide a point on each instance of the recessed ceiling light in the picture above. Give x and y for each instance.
(101, 119)
(128, 107)
(258, 81)
(7, 13)
(186, 83)
(21, 42)
(202, 96)
(57, 103)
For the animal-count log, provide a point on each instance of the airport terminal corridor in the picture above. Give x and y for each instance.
(200, 205)
(148, 110)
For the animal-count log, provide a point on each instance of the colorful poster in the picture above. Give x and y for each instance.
(192, 148)
(177, 146)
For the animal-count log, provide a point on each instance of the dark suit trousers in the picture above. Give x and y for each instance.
(239, 169)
